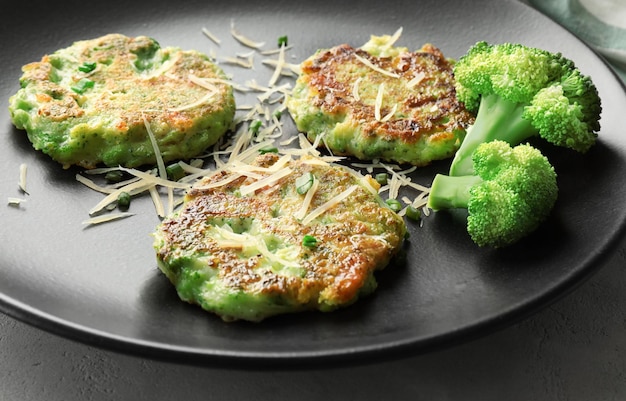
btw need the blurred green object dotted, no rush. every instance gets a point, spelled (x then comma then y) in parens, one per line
(600, 23)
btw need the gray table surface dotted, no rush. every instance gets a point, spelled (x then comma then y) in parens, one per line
(574, 349)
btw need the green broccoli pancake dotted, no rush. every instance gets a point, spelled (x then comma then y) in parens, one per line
(380, 102)
(278, 236)
(99, 101)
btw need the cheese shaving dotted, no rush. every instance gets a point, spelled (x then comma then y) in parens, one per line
(107, 218)
(170, 200)
(355, 89)
(248, 63)
(136, 187)
(393, 39)
(390, 114)
(243, 39)
(328, 205)
(155, 148)
(416, 80)
(208, 83)
(92, 185)
(209, 35)
(218, 184)
(287, 69)
(22, 182)
(280, 64)
(230, 245)
(379, 101)
(251, 188)
(274, 51)
(164, 69)
(15, 201)
(375, 67)
(308, 198)
(230, 240)
(203, 100)
(154, 180)
(156, 200)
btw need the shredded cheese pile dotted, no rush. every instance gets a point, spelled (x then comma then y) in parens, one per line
(257, 127)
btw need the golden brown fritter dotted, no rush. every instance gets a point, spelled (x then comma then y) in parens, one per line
(95, 102)
(249, 251)
(381, 102)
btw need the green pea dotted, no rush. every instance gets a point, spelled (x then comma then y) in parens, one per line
(123, 201)
(114, 176)
(413, 213)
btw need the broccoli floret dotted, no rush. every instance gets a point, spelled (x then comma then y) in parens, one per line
(510, 194)
(518, 92)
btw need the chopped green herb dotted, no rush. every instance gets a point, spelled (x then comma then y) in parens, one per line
(87, 67)
(309, 241)
(282, 41)
(175, 171)
(304, 183)
(394, 204)
(82, 85)
(268, 150)
(413, 213)
(123, 201)
(255, 126)
(382, 178)
(278, 114)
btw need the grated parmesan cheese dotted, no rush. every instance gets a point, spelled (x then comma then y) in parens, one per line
(267, 181)
(243, 39)
(107, 218)
(22, 182)
(393, 39)
(209, 35)
(416, 80)
(328, 205)
(280, 65)
(355, 89)
(308, 198)
(132, 189)
(375, 67)
(389, 115)
(379, 101)
(12, 201)
(235, 154)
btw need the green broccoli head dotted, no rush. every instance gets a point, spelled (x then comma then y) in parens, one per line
(519, 92)
(568, 113)
(512, 71)
(511, 193)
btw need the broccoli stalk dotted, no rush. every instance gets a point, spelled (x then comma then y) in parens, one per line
(519, 92)
(510, 194)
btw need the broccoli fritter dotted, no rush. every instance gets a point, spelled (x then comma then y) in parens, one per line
(380, 102)
(308, 239)
(98, 101)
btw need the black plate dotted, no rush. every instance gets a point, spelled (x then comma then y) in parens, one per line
(100, 285)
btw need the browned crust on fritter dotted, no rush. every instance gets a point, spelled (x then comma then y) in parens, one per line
(335, 271)
(333, 92)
